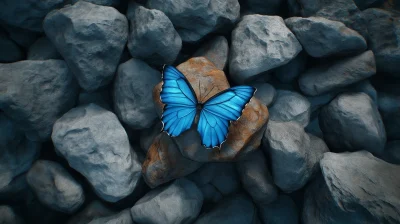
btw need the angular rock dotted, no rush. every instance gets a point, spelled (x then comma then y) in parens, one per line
(8, 216)
(152, 37)
(266, 93)
(10, 51)
(216, 50)
(351, 122)
(339, 74)
(256, 178)
(43, 49)
(265, 7)
(132, 100)
(389, 107)
(321, 37)
(90, 42)
(283, 210)
(288, 73)
(90, 135)
(195, 19)
(102, 2)
(123, 217)
(91, 212)
(290, 106)
(178, 202)
(55, 187)
(36, 94)
(259, 44)
(100, 98)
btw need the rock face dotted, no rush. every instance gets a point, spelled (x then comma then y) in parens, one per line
(43, 49)
(132, 102)
(216, 50)
(90, 135)
(339, 74)
(283, 210)
(351, 122)
(147, 26)
(195, 19)
(266, 93)
(36, 94)
(321, 37)
(178, 202)
(260, 43)
(55, 187)
(92, 58)
(8, 216)
(10, 50)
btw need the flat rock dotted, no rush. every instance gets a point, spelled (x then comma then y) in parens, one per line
(259, 44)
(93, 59)
(10, 52)
(89, 135)
(123, 217)
(178, 202)
(91, 212)
(341, 73)
(215, 50)
(289, 72)
(152, 36)
(133, 103)
(321, 37)
(43, 49)
(195, 19)
(55, 187)
(351, 122)
(283, 210)
(8, 216)
(266, 93)
(36, 94)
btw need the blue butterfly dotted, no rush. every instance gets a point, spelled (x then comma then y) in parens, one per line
(181, 107)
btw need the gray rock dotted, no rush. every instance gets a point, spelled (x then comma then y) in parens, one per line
(10, 51)
(133, 101)
(55, 187)
(293, 153)
(195, 19)
(27, 14)
(321, 37)
(281, 211)
(178, 202)
(102, 2)
(90, 135)
(389, 107)
(266, 93)
(256, 178)
(43, 49)
(265, 7)
(92, 211)
(92, 58)
(339, 74)
(290, 106)
(351, 122)
(236, 209)
(123, 217)
(289, 72)
(152, 37)
(100, 98)
(36, 94)
(215, 50)
(260, 43)
(8, 216)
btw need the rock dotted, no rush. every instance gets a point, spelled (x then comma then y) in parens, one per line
(152, 37)
(100, 98)
(91, 212)
(256, 178)
(215, 50)
(283, 210)
(266, 93)
(36, 94)
(236, 209)
(195, 19)
(362, 4)
(293, 153)
(92, 58)
(259, 44)
(43, 49)
(132, 101)
(321, 37)
(289, 72)
(364, 86)
(89, 135)
(27, 14)
(321, 100)
(290, 106)
(389, 107)
(178, 202)
(10, 52)
(244, 135)
(391, 154)
(351, 122)
(102, 2)
(164, 162)
(8, 216)
(123, 217)
(269, 7)
(55, 187)
(341, 73)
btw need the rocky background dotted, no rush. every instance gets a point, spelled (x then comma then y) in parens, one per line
(80, 137)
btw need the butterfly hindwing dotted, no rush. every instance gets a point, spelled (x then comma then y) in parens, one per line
(180, 102)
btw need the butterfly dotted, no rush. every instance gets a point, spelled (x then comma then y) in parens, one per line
(181, 106)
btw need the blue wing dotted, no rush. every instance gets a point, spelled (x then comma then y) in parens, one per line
(180, 102)
(219, 110)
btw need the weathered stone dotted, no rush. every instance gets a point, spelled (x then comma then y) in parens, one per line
(216, 50)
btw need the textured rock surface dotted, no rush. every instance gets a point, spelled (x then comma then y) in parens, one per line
(283, 210)
(123, 217)
(8, 216)
(55, 187)
(132, 102)
(36, 94)
(266, 93)
(43, 49)
(178, 202)
(351, 122)
(90, 135)
(92, 211)
(216, 50)
(92, 58)
(260, 43)
(146, 28)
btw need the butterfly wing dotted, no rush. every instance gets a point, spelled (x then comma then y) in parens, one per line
(180, 102)
(219, 110)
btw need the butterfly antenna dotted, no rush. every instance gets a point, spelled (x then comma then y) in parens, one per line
(209, 92)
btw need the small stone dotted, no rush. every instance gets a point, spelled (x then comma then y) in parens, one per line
(123, 217)
(43, 49)
(91, 212)
(10, 51)
(289, 72)
(266, 93)
(8, 216)
(283, 210)
(216, 50)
